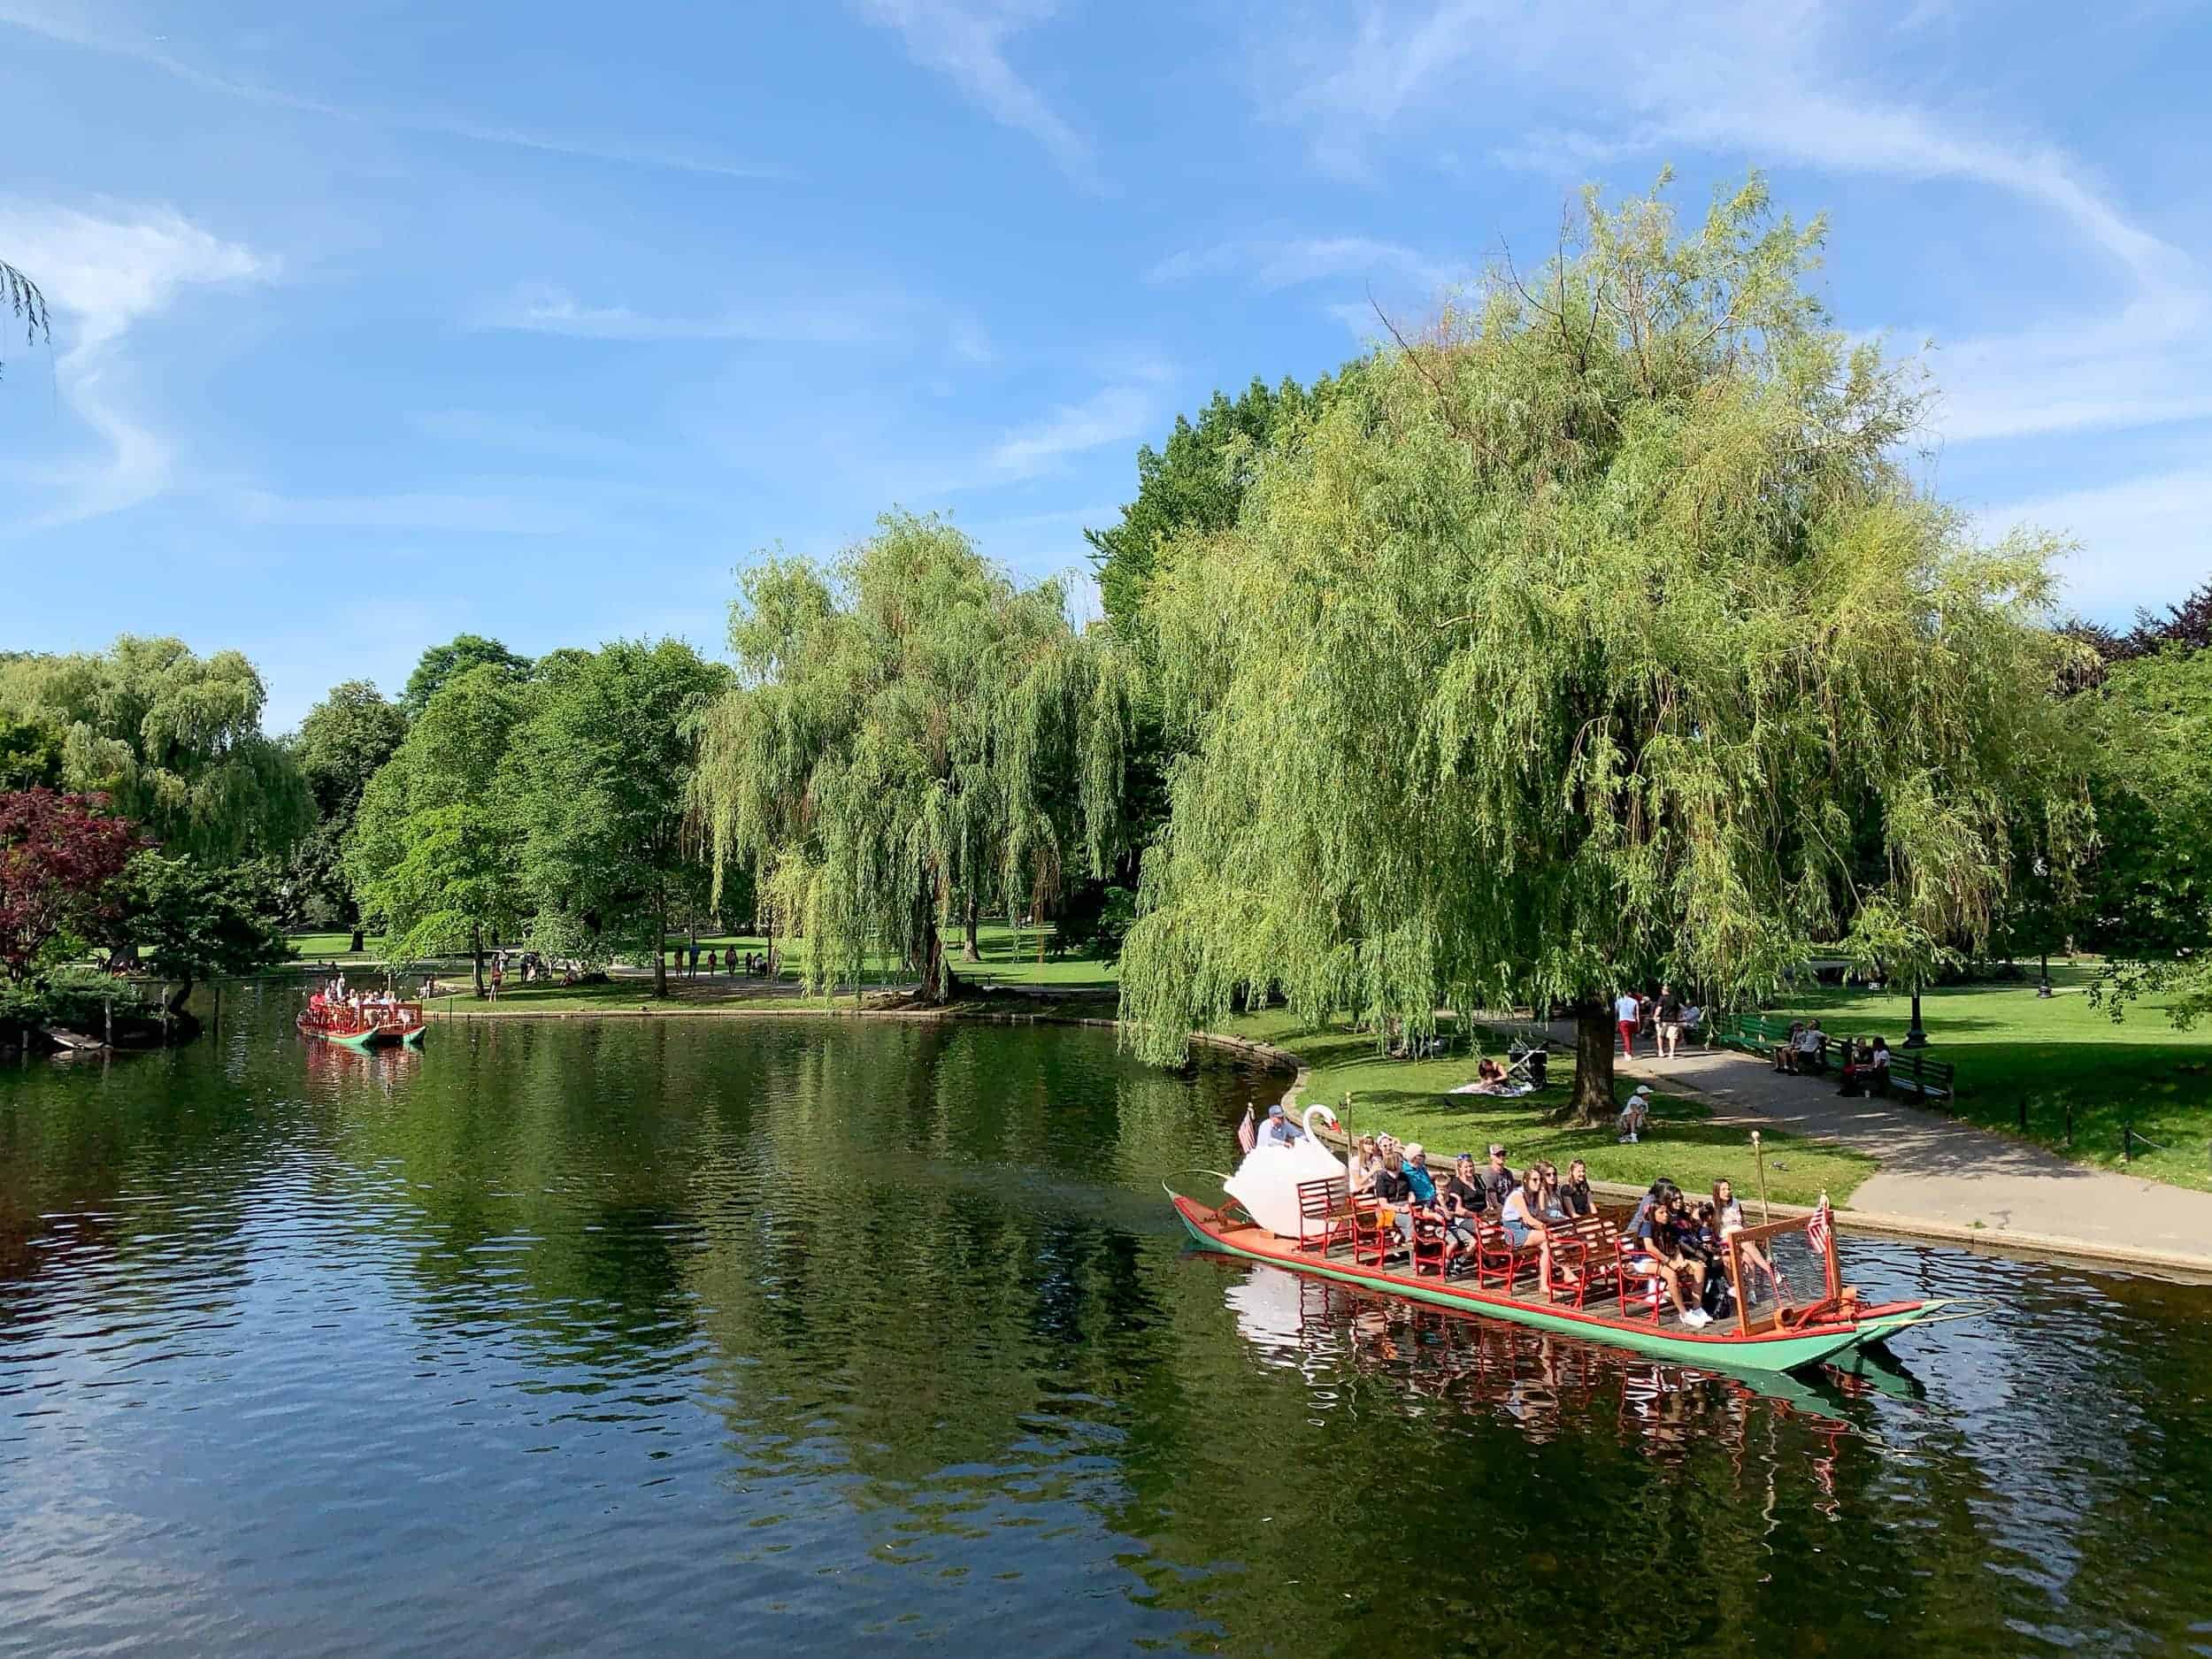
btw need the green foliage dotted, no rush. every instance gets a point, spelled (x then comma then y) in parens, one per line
(601, 773)
(71, 995)
(910, 730)
(441, 665)
(20, 296)
(434, 858)
(339, 747)
(1196, 483)
(1569, 646)
(30, 753)
(172, 739)
(187, 921)
(2150, 731)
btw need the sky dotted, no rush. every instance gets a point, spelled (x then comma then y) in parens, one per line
(376, 323)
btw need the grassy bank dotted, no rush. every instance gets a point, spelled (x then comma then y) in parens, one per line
(1412, 1099)
(2025, 1058)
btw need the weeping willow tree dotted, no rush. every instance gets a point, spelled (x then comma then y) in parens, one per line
(1580, 643)
(911, 731)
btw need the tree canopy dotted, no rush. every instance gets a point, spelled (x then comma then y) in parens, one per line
(1564, 648)
(601, 773)
(434, 856)
(911, 731)
(172, 739)
(187, 921)
(340, 745)
(59, 859)
(442, 664)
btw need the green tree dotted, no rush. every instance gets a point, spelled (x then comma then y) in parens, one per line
(602, 773)
(1560, 652)
(30, 754)
(172, 739)
(910, 731)
(442, 664)
(188, 922)
(435, 859)
(1195, 482)
(339, 747)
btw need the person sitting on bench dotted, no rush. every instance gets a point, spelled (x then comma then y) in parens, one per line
(1464, 1201)
(1394, 1192)
(1878, 1069)
(1662, 1257)
(1574, 1192)
(1785, 1053)
(1523, 1219)
(1812, 1048)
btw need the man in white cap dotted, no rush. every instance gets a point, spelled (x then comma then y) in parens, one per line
(1636, 1114)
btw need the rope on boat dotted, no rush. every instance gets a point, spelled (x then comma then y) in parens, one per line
(1961, 1308)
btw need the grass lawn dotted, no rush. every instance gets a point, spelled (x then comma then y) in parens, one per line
(2015, 1051)
(1412, 1100)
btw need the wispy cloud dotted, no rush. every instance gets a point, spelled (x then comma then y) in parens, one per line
(1404, 68)
(69, 29)
(966, 44)
(2142, 540)
(1270, 265)
(1114, 414)
(540, 309)
(104, 275)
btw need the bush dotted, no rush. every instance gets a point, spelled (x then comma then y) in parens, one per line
(69, 996)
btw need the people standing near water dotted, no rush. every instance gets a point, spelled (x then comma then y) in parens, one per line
(498, 977)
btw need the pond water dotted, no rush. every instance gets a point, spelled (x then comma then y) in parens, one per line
(794, 1335)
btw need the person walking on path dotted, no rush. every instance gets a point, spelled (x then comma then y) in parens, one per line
(1628, 1014)
(1670, 1022)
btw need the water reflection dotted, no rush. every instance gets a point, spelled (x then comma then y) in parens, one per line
(828, 1335)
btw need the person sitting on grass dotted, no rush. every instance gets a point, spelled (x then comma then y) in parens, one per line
(1662, 1259)
(1636, 1115)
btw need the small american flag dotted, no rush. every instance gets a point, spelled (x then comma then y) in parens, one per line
(1816, 1230)
(1248, 1132)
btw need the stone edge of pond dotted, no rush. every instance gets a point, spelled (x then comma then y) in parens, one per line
(1994, 1240)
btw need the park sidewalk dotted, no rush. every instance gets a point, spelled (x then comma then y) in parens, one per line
(1940, 1178)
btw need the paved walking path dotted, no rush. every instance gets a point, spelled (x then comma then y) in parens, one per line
(1949, 1179)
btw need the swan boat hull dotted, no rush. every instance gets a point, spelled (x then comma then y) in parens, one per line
(1770, 1351)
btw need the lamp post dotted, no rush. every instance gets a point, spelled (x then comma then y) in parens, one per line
(1918, 1036)
(2043, 987)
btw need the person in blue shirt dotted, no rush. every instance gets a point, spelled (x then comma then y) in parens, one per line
(1418, 1176)
(1279, 1131)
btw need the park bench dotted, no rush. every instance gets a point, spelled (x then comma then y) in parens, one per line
(1754, 1033)
(1326, 1214)
(1912, 1074)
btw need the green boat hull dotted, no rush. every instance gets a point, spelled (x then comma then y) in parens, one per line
(1757, 1354)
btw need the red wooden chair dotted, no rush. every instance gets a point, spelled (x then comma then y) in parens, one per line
(1373, 1235)
(1429, 1246)
(1323, 1217)
(1643, 1290)
(1496, 1255)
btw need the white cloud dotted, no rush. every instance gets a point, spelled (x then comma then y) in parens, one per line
(70, 29)
(1773, 83)
(2143, 540)
(966, 43)
(1291, 262)
(540, 309)
(1115, 414)
(103, 276)
(423, 511)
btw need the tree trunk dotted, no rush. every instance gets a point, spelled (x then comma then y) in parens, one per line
(355, 945)
(1592, 1102)
(971, 950)
(476, 955)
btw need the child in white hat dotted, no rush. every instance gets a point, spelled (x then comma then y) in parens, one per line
(1636, 1114)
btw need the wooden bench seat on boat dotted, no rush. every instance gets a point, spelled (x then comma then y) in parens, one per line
(1325, 1215)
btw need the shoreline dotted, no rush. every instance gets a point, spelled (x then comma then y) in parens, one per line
(2056, 1249)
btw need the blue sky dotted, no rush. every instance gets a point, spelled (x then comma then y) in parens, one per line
(374, 323)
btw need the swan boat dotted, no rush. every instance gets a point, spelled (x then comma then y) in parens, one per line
(371, 1025)
(1777, 1328)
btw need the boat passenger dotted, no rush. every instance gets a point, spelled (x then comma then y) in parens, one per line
(1366, 1160)
(1574, 1192)
(1728, 1214)
(1663, 1258)
(1522, 1215)
(1498, 1180)
(1464, 1201)
(1279, 1131)
(1394, 1192)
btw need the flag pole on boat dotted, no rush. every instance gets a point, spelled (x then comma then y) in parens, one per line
(1760, 1153)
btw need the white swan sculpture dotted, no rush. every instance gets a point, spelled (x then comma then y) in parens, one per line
(1266, 1183)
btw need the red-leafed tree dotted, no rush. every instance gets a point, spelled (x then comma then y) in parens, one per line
(60, 854)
